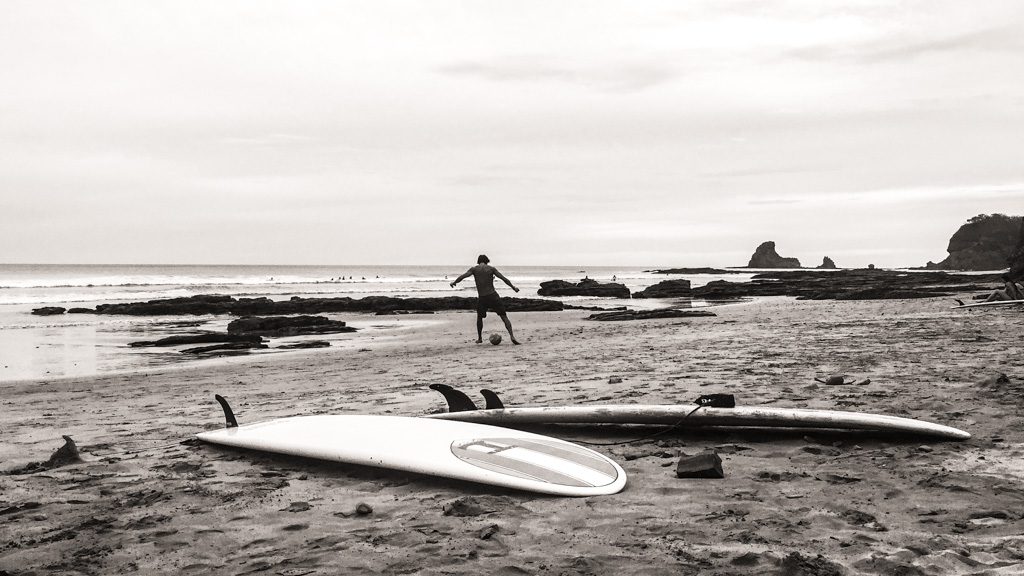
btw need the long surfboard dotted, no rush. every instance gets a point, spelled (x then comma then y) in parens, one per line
(460, 450)
(696, 415)
(993, 303)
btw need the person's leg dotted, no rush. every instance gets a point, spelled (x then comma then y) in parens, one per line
(479, 329)
(508, 326)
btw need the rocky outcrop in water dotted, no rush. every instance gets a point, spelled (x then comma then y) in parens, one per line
(766, 257)
(659, 313)
(985, 242)
(585, 287)
(287, 325)
(827, 264)
(666, 289)
(203, 338)
(48, 311)
(217, 304)
(862, 284)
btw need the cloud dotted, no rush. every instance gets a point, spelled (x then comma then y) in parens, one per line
(899, 48)
(620, 77)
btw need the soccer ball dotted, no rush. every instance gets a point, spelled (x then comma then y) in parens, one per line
(495, 339)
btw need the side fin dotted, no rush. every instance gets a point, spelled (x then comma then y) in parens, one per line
(228, 414)
(457, 401)
(493, 402)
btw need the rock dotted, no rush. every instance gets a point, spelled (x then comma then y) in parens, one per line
(489, 531)
(230, 347)
(287, 325)
(66, 454)
(827, 264)
(695, 271)
(705, 465)
(48, 311)
(216, 304)
(306, 344)
(585, 287)
(666, 289)
(204, 338)
(871, 266)
(81, 311)
(363, 509)
(766, 257)
(658, 313)
(985, 242)
(615, 379)
(849, 285)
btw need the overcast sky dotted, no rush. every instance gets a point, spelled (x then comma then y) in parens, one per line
(552, 132)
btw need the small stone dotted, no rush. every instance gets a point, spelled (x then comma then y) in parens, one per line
(297, 507)
(706, 465)
(489, 531)
(615, 380)
(364, 509)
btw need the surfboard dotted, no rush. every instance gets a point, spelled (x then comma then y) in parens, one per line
(696, 415)
(995, 303)
(459, 450)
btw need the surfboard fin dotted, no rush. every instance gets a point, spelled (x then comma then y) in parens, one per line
(229, 416)
(457, 401)
(493, 402)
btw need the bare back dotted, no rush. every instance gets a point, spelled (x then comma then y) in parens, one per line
(483, 274)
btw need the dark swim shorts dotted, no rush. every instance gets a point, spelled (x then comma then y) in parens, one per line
(489, 302)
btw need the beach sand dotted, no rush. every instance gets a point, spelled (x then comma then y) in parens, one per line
(147, 499)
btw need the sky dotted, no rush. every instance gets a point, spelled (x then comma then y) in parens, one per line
(542, 133)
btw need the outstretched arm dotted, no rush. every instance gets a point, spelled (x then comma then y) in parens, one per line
(505, 280)
(463, 277)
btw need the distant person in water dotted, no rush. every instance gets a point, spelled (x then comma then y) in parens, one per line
(483, 273)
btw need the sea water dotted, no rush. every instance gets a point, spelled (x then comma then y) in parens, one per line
(39, 347)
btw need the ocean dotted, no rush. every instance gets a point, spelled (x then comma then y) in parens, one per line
(41, 347)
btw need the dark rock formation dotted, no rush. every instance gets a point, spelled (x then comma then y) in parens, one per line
(827, 264)
(204, 338)
(1017, 260)
(81, 311)
(648, 314)
(766, 257)
(585, 287)
(48, 311)
(666, 289)
(985, 242)
(306, 344)
(287, 325)
(849, 285)
(215, 304)
(227, 348)
(695, 271)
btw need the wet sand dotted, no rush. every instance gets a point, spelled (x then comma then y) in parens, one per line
(149, 500)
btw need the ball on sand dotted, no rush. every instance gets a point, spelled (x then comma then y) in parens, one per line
(495, 339)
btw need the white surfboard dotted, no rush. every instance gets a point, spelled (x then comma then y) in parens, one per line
(676, 415)
(462, 409)
(460, 450)
(993, 303)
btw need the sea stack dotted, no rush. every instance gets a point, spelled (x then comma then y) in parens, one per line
(827, 264)
(985, 242)
(766, 257)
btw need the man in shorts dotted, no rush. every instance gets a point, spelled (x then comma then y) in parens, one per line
(484, 275)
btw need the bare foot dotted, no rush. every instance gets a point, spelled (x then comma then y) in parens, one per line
(480, 341)
(516, 342)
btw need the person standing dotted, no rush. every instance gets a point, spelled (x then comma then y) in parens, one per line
(483, 273)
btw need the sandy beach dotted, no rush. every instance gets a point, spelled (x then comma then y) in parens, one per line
(149, 499)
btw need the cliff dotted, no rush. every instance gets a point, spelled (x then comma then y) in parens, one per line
(985, 242)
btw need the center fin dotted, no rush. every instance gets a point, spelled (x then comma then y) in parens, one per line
(457, 401)
(229, 416)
